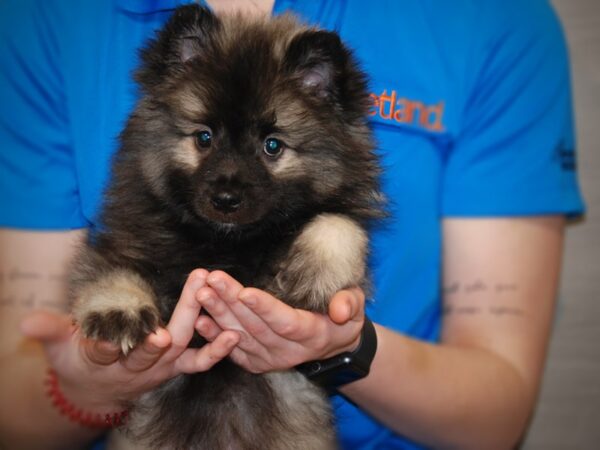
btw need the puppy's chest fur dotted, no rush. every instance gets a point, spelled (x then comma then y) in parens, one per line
(165, 256)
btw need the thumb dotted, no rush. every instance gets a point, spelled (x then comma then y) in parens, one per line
(347, 305)
(47, 326)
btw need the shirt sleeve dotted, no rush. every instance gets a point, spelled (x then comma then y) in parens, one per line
(38, 182)
(515, 153)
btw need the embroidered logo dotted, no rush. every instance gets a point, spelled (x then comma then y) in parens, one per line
(566, 157)
(393, 107)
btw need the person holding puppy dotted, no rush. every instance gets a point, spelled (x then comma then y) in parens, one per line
(474, 127)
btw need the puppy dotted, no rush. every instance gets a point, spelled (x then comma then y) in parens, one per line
(248, 152)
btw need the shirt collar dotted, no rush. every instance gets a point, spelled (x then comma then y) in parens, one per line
(152, 6)
(149, 6)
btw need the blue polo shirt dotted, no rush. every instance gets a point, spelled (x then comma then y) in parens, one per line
(471, 109)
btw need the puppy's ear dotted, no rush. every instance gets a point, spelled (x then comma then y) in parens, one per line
(318, 58)
(194, 27)
(185, 36)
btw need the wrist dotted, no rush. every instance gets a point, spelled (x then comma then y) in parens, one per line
(89, 412)
(89, 397)
(354, 344)
(345, 367)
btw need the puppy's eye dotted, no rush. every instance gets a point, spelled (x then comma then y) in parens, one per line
(273, 147)
(203, 139)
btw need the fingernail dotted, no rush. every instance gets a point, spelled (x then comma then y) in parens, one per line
(162, 339)
(350, 308)
(216, 281)
(233, 340)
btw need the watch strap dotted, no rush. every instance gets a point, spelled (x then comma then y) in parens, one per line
(346, 367)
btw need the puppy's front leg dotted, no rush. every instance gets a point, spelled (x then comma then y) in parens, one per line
(119, 306)
(328, 255)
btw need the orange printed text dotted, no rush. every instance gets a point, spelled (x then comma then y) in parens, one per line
(402, 110)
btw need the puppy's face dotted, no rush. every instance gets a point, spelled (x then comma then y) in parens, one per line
(247, 122)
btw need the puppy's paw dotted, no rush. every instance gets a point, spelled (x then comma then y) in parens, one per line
(328, 255)
(123, 328)
(119, 307)
(296, 286)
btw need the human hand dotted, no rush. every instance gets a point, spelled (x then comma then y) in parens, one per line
(274, 335)
(95, 376)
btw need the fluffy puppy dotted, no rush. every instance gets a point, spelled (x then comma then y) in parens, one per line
(248, 152)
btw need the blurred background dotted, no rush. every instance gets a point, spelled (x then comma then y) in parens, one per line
(568, 415)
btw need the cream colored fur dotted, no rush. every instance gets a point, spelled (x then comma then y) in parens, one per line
(327, 256)
(305, 408)
(118, 290)
(186, 155)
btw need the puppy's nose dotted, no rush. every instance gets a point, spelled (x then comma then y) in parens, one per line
(226, 201)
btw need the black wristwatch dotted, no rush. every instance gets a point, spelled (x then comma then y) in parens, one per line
(346, 367)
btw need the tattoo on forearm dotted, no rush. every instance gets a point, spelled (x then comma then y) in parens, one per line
(58, 278)
(472, 310)
(17, 274)
(490, 292)
(30, 286)
(31, 301)
(479, 286)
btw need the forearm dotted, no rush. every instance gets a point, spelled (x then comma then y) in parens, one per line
(444, 396)
(32, 277)
(28, 420)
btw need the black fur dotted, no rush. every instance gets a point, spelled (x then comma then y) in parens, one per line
(241, 80)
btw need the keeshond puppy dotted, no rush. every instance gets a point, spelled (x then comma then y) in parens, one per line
(249, 152)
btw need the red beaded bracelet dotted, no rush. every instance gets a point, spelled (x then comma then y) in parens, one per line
(74, 414)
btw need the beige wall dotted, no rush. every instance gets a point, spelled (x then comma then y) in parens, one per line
(568, 416)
